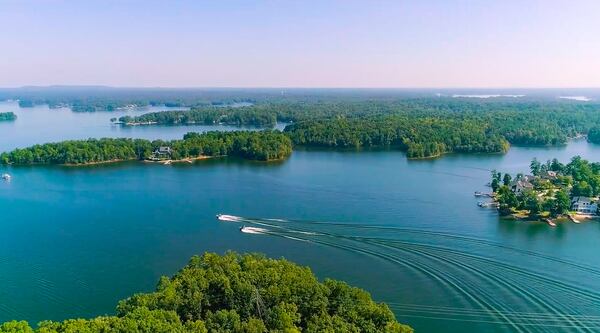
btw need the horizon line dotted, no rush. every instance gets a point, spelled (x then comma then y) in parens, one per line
(287, 87)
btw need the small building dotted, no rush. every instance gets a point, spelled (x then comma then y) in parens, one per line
(520, 186)
(161, 153)
(584, 206)
(548, 175)
(527, 178)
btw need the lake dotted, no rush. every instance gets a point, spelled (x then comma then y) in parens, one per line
(73, 241)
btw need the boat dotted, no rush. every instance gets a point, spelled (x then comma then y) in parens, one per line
(252, 230)
(492, 204)
(478, 194)
(227, 218)
(6, 176)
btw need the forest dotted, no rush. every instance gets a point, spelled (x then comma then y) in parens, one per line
(423, 127)
(7, 116)
(237, 293)
(245, 116)
(419, 137)
(252, 145)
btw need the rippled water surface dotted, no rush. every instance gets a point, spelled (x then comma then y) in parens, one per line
(73, 241)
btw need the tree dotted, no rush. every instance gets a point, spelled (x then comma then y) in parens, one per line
(562, 203)
(507, 179)
(15, 327)
(495, 184)
(535, 167)
(582, 189)
(531, 202)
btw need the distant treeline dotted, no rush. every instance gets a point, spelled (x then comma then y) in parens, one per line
(90, 98)
(263, 146)
(5, 116)
(527, 123)
(246, 116)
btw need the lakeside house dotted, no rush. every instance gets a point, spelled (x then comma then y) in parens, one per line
(550, 175)
(521, 185)
(161, 153)
(584, 206)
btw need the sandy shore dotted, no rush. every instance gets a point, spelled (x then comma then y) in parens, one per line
(188, 160)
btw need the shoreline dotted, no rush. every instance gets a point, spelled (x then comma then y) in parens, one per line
(187, 159)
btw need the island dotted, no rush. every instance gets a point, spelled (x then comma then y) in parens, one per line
(237, 293)
(251, 145)
(553, 192)
(7, 116)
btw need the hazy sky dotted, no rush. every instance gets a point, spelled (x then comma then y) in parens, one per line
(306, 43)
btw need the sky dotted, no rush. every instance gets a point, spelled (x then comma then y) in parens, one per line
(347, 43)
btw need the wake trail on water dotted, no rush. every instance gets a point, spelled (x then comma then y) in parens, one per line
(469, 239)
(477, 269)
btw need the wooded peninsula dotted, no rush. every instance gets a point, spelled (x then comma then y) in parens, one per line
(239, 294)
(552, 190)
(252, 145)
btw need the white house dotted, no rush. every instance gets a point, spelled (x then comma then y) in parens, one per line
(584, 206)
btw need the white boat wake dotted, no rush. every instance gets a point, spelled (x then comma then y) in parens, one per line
(228, 218)
(253, 230)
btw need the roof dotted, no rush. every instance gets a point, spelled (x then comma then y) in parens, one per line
(581, 199)
(522, 183)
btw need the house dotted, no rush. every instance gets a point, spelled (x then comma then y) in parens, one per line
(584, 206)
(548, 175)
(527, 178)
(162, 152)
(521, 185)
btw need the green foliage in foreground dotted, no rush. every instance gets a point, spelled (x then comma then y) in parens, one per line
(263, 146)
(7, 116)
(238, 293)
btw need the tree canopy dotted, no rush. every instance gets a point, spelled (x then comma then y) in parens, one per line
(7, 116)
(253, 145)
(238, 293)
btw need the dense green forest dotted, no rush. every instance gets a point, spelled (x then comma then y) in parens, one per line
(254, 145)
(7, 116)
(419, 137)
(423, 127)
(238, 293)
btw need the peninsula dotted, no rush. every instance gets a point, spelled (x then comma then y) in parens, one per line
(552, 191)
(252, 145)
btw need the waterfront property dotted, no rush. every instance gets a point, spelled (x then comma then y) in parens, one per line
(554, 190)
(584, 205)
(521, 185)
(161, 153)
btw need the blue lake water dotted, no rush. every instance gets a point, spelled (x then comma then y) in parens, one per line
(73, 241)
